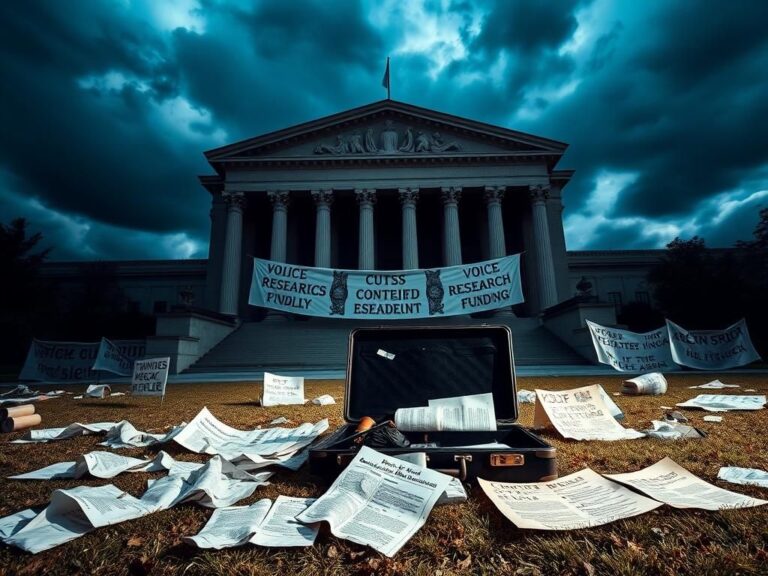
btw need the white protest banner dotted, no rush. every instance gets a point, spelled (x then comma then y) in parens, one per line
(382, 295)
(59, 361)
(280, 390)
(111, 359)
(150, 376)
(712, 349)
(632, 352)
(581, 414)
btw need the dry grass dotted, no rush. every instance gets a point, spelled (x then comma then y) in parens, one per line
(468, 538)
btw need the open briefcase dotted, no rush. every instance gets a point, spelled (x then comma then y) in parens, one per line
(401, 367)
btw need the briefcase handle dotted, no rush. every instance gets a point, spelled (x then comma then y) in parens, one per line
(461, 473)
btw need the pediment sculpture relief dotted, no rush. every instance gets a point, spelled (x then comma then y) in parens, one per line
(389, 141)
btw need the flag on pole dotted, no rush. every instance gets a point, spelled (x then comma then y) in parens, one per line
(385, 80)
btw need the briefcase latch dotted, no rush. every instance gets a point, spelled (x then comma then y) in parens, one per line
(504, 460)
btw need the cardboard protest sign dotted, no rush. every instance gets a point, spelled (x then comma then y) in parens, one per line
(150, 377)
(581, 414)
(280, 390)
(111, 359)
(632, 352)
(382, 295)
(712, 349)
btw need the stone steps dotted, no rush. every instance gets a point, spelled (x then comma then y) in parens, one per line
(321, 344)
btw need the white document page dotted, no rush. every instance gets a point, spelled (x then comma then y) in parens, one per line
(652, 383)
(378, 501)
(53, 434)
(746, 476)
(668, 482)
(455, 491)
(715, 385)
(11, 524)
(232, 526)
(460, 413)
(282, 390)
(579, 500)
(280, 528)
(724, 402)
(580, 414)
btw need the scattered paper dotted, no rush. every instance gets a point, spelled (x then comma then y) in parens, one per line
(668, 482)
(80, 397)
(746, 476)
(281, 529)
(231, 526)
(579, 500)
(712, 418)
(385, 354)
(205, 434)
(715, 385)
(671, 430)
(98, 391)
(666, 407)
(71, 431)
(125, 435)
(526, 396)
(9, 525)
(77, 511)
(378, 501)
(724, 402)
(282, 390)
(116, 394)
(460, 413)
(580, 414)
(324, 400)
(652, 383)
(613, 408)
(280, 420)
(750, 390)
(454, 493)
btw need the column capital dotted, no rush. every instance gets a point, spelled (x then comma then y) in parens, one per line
(451, 194)
(322, 197)
(366, 197)
(539, 193)
(279, 198)
(408, 196)
(494, 194)
(234, 200)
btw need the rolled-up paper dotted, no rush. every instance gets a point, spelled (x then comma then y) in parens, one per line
(16, 411)
(20, 423)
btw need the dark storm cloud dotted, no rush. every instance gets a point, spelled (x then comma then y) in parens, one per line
(109, 106)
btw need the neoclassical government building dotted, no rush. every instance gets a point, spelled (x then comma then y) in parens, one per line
(386, 186)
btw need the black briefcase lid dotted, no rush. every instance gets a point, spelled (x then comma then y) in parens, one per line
(402, 367)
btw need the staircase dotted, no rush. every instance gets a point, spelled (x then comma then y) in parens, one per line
(321, 344)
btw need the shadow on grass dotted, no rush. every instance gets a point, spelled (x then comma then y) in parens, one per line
(246, 403)
(111, 405)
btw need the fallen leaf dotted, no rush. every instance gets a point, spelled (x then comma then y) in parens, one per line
(135, 541)
(466, 563)
(333, 552)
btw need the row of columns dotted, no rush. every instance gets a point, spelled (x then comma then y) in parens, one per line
(366, 198)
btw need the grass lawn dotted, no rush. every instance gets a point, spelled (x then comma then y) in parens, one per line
(469, 538)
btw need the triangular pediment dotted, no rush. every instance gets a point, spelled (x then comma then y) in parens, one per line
(386, 129)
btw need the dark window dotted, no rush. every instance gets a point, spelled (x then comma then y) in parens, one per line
(160, 306)
(643, 297)
(615, 299)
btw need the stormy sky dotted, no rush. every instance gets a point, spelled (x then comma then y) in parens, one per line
(108, 106)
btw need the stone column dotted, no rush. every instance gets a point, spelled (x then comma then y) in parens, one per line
(233, 246)
(497, 247)
(279, 246)
(451, 231)
(408, 199)
(545, 266)
(366, 255)
(323, 200)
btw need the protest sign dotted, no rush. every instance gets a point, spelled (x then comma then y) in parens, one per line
(632, 352)
(712, 349)
(59, 361)
(581, 414)
(150, 376)
(579, 500)
(111, 359)
(382, 295)
(279, 390)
